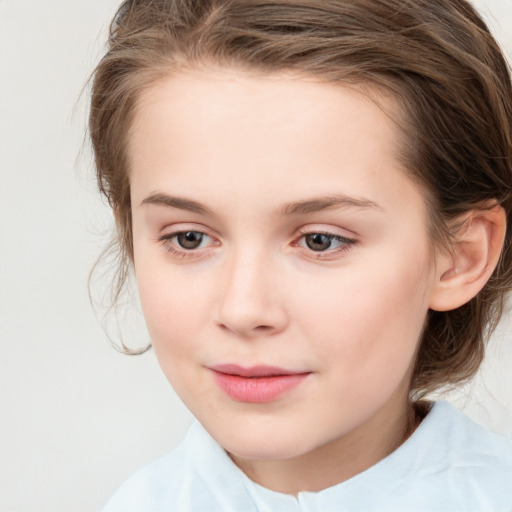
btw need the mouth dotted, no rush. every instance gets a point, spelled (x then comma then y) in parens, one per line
(256, 384)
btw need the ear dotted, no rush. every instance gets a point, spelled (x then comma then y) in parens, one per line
(464, 270)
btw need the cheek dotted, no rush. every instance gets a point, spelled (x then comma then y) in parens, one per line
(173, 319)
(173, 309)
(368, 322)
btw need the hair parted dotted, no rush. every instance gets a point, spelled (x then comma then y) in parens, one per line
(438, 60)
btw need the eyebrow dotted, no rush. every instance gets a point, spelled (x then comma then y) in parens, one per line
(178, 202)
(326, 203)
(302, 207)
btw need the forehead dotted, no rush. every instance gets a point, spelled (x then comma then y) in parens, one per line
(203, 97)
(231, 134)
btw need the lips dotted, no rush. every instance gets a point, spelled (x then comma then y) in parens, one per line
(257, 384)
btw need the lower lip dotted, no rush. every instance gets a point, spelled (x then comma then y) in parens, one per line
(257, 389)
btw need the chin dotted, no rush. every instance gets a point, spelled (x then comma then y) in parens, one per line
(261, 443)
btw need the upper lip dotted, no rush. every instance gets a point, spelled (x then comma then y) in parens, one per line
(254, 371)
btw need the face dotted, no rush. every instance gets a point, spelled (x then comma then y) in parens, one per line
(281, 255)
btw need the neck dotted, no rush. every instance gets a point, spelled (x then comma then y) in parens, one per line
(340, 459)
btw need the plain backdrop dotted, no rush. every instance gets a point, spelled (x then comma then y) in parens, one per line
(76, 417)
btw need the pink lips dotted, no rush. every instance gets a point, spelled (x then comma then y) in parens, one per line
(257, 384)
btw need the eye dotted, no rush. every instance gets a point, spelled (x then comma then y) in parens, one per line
(184, 243)
(318, 241)
(189, 239)
(328, 243)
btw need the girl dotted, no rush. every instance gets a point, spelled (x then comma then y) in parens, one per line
(315, 198)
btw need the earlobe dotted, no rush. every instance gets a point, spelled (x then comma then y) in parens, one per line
(464, 270)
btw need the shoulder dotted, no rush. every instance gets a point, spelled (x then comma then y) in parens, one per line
(468, 443)
(149, 487)
(184, 479)
(449, 464)
(463, 465)
(198, 475)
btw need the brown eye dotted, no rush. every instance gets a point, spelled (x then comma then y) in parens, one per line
(189, 239)
(318, 241)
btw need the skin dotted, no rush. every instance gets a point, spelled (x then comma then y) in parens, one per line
(254, 293)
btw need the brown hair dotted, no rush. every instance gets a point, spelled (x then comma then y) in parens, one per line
(436, 57)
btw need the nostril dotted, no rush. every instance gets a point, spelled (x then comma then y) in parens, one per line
(243, 332)
(263, 328)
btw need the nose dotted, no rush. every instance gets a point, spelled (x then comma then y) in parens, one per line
(251, 302)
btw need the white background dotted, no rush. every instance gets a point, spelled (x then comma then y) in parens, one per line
(76, 417)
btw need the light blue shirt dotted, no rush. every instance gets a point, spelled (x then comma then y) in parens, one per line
(449, 464)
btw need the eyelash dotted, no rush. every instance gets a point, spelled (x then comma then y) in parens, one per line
(182, 254)
(347, 243)
(165, 241)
